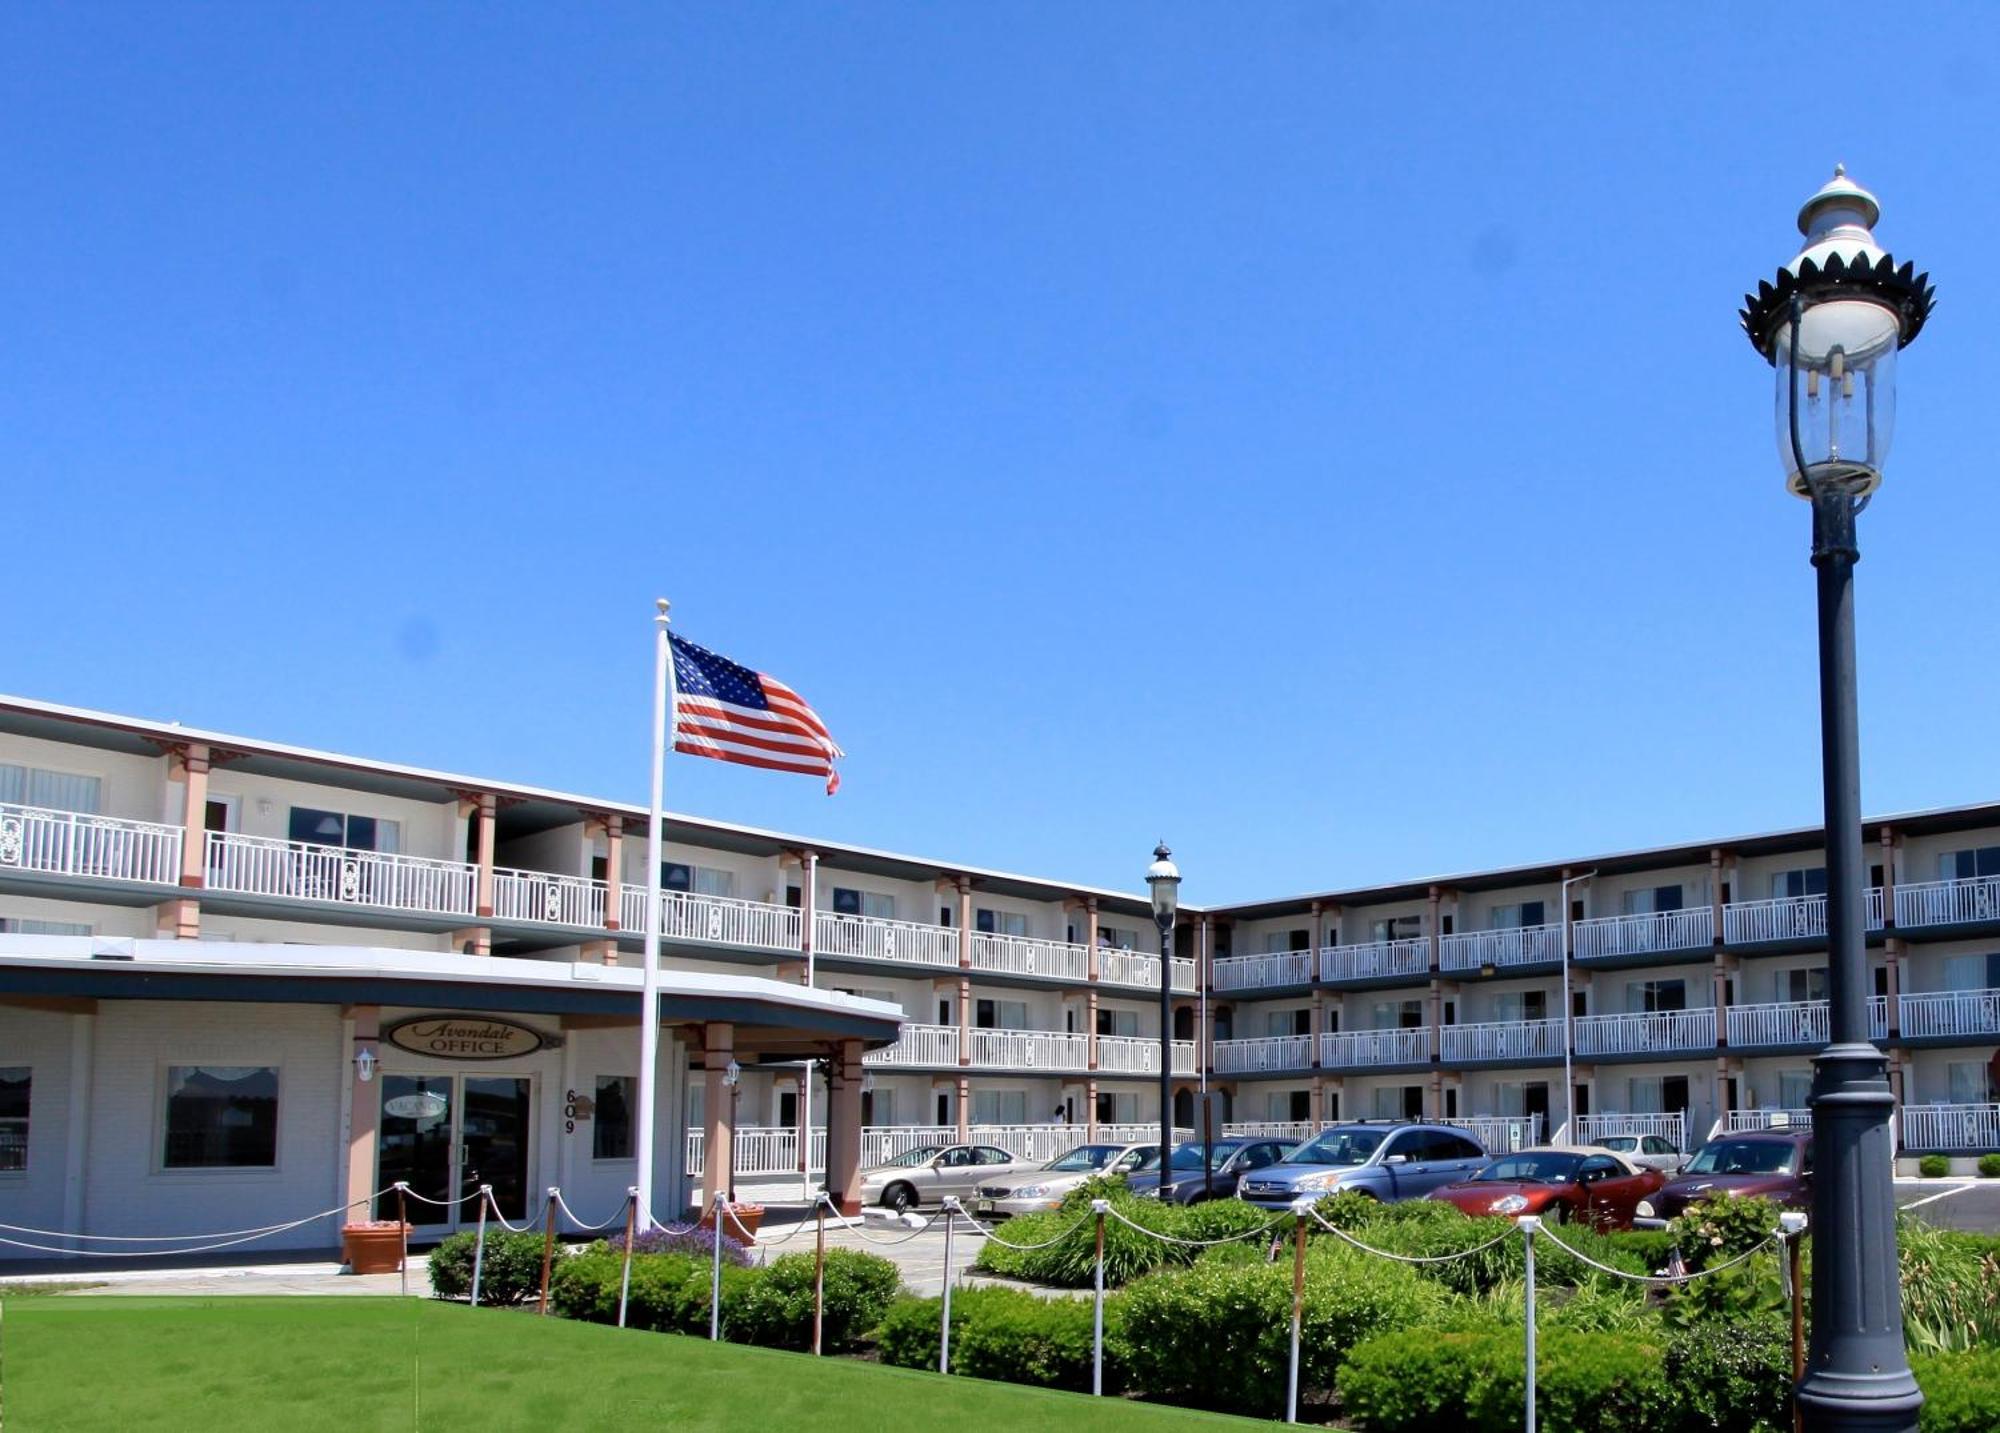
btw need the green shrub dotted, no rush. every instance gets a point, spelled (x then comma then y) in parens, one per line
(1961, 1390)
(510, 1272)
(1720, 1228)
(1071, 1262)
(1934, 1166)
(776, 1308)
(1420, 1379)
(585, 1286)
(907, 1337)
(1989, 1166)
(1018, 1337)
(1735, 1376)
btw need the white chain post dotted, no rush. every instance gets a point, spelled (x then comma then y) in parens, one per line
(631, 1237)
(715, 1279)
(479, 1249)
(944, 1317)
(1099, 1207)
(1300, 1208)
(1529, 1225)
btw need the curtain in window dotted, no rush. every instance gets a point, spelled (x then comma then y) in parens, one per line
(709, 881)
(878, 907)
(62, 791)
(13, 783)
(1794, 1089)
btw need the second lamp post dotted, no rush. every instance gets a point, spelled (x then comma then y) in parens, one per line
(1163, 877)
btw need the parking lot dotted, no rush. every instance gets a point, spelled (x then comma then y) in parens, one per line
(1972, 1205)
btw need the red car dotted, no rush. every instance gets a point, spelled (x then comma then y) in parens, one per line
(1777, 1164)
(1583, 1185)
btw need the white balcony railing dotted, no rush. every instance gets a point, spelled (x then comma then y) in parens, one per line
(256, 865)
(1526, 945)
(1949, 902)
(1795, 1022)
(1788, 918)
(1948, 1013)
(1270, 1052)
(919, 1045)
(762, 1150)
(1974, 1128)
(1501, 1132)
(882, 1143)
(1504, 1040)
(1018, 955)
(713, 920)
(1139, 1132)
(1139, 1055)
(1030, 1050)
(544, 897)
(1345, 1049)
(1376, 959)
(1738, 1121)
(1264, 972)
(1645, 1033)
(866, 938)
(1271, 1129)
(1181, 977)
(1670, 1127)
(1691, 929)
(68, 843)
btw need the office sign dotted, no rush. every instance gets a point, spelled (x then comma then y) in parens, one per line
(465, 1037)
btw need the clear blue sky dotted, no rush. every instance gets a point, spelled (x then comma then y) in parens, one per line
(1316, 433)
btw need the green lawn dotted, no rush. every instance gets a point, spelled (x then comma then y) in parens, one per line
(357, 1364)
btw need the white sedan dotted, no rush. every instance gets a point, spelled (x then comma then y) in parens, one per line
(926, 1174)
(1649, 1151)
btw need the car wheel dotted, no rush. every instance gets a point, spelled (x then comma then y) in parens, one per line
(898, 1198)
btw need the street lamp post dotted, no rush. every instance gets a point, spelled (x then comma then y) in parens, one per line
(1831, 324)
(1163, 878)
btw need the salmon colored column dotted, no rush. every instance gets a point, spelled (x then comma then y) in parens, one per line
(365, 1115)
(718, 1114)
(843, 1129)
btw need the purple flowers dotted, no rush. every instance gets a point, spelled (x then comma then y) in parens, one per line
(697, 1243)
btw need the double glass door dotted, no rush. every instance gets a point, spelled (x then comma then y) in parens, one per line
(445, 1135)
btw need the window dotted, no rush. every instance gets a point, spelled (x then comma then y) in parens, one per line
(1794, 1089)
(1966, 865)
(1514, 1005)
(1396, 928)
(222, 1117)
(611, 1131)
(1000, 1107)
(1804, 984)
(51, 790)
(1644, 1095)
(10, 925)
(1000, 1014)
(1399, 1014)
(1649, 899)
(1653, 995)
(1288, 1022)
(1517, 917)
(1971, 1084)
(16, 1083)
(850, 902)
(1000, 922)
(1117, 1022)
(354, 833)
(1791, 885)
(1115, 938)
(1279, 941)
(697, 880)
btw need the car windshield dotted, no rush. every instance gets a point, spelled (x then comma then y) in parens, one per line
(1746, 1156)
(922, 1154)
(1188, 1156)
(1337, 1146)
(1084, 1158)
(1533, 1168)
(1623, 1143)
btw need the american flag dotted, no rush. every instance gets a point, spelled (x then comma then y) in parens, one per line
(734, 714)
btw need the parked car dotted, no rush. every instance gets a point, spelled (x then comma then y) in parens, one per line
(927, 1173)
(1035, 1191)
(1234, 1158)
(1651, 1151)
(1583, 1185)
(1385, 1161)
(1776, 1164)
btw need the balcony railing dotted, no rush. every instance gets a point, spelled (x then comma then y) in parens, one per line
(1645, 1033)
(69, 843)
(1974, 899)
(1128, 967)
(762, 1150)
(1181, 977)
(1270, 1052)
(1738, 1121)
(1139, 1132)
(1346, 1049)
(867, 938)
(715, 920)
(1796, 1022)
(1030, 1050)
(1787, 918)
(1670, 1127)
(1504, 1040)
(1264, 972)
(1950, 1013)
(1691, 929)
(1526, 945)
(258, 866)
(1501, 1132)
(1139, 1055)
(919, 1045)
(1018, 955)
(1375, 959)
(1271, 1129)
(542, 896)
(1974, 1128)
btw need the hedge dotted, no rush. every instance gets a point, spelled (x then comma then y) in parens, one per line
(1419, 1380)
(1961, 1390)
(1128, 1253)
(1007, 1334)
(510, 1273)
(776, 1307)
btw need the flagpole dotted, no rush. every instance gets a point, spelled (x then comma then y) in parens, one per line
(649, 1010)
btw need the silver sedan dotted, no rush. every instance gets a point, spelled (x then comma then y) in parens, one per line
(1041, 1189)
(926, 1174)
(1648, 1151)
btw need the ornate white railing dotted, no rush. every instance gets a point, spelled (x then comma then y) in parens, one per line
(257, 865)
(1501, 1132)
(1263, 972)
(1976, 898)
(1181, 977)
(1670, 1127)
(1646, 1032)
(714, 920)
(1270, 1052)
(1138, 1055)
(1344, 1049)
(1134, 1132)
(1787, 918)
(1691, 929)
(1527, 945)
(1795, 1022)
(1030, 1050)
(1974, 1128)
(1950, 1012)
(1128, 967)
(68, 843)
(1739, 1121)
(919, 1045)
(1018, 955)
(1271, 1129)
(544, 896)
(1504, 1040)
(1376, 958)
(882, 1143)
(867, 938)
(762, 1150)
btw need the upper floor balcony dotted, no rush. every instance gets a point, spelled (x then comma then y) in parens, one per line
(1650, 1032)
(867, 938)
(545, 897)
(1274, 970)
(1407, 958)
(338, 875)
(1030, 1051)
(1796, 1022)
(1788, 918)
(1352, 1049)
(1503, 1040)
(1974, 900)
(1649, 933)
(1019, 955)
(104, 848)
(1141, 971)
(1263, 1054)
(1524, 945)
(1949, 1015)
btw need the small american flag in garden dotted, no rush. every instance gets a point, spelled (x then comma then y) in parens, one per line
(731, 713)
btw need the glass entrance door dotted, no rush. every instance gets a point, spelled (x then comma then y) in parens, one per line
(493, 1142)
(445, 1135)
(415, 1145)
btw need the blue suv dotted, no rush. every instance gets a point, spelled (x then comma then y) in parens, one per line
(1383, 1161)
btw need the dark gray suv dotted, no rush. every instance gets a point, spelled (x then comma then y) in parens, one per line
(1383, 1161)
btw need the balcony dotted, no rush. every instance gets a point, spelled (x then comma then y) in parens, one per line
(1670, 1127)
(1377, 959)
(1141, 971)
(1501, 1132)
(1351, 1049)
(384, 880)
(1650, 1033)
(1269, 1053)
(1973, 901)
(538, 896)
(1140, 1055)
(1799, 1022)
(1655, 932)
(1974, 1129)
(1030, 1050)
(1018, 955)
(1264, 972)
(1271, 1129)
(866, 938)
(713, 920)
(1742, 1121)
(918, 1045)
(1951, 1014)
(1504, 1040)
(67, 843)
(1527, 945)
(1788, 918)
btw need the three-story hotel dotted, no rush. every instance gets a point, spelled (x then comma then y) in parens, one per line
(241, 982)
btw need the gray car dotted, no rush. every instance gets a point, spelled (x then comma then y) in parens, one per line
(1383, 1161)
(1036, 1191)
(1233, 1158)
(926, 1174)
(1648, 1151)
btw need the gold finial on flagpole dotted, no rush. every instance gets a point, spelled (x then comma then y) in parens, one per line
(663, 605)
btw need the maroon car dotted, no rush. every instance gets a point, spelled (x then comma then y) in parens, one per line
(1586, 1185)
(1776, 1164)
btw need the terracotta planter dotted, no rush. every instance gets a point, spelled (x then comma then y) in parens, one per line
(742, 1223)
(374, 1246)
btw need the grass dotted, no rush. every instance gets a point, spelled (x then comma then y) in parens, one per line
(357, 1364)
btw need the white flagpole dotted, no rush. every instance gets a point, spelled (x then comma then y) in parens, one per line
(649, 1012)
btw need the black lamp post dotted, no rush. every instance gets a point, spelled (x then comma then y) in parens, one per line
(1831, 324)
(1163, 877)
